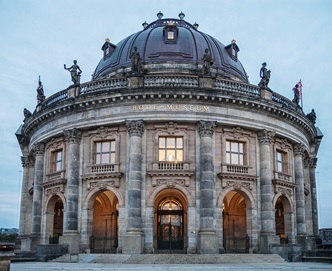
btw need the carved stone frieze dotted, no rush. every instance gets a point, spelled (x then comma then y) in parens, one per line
(54, 190)
(283, 187)
(27, 161)
(135, 127)
(103, 132)
(206, 128)
(170, 182)
(313, 162)
(55, 143)
(103, 184)
(73, 135)
(237, 185)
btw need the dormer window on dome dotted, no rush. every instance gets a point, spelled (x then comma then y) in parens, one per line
(108, 47)
(232, 49)
(171, 33)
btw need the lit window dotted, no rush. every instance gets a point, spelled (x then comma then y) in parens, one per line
(234, 152)
(281, 161)
(57, 161)
(171, 149)
(105, 152)
(170, 35)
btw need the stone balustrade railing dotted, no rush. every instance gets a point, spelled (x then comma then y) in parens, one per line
(236, 169)
(107, 85)
(104, 168)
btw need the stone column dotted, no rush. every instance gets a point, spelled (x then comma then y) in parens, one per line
(134, 239)
(39, 150)
(207, 237)
(299, 193)
(307, 193)
(70, 224)
(25, 208)
(312, 170)
(268, 235)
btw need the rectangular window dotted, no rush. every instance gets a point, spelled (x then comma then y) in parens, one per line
(170, 35)
(170, 149)
(234, 153)
(56, 161)
(281, 161)
(105, 152)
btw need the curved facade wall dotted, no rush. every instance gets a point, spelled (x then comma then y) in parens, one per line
(161, 162)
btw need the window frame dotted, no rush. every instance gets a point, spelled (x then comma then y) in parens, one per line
(238, 154)
(111, 152)
(283, 162)
(55, 162)
(176, 149)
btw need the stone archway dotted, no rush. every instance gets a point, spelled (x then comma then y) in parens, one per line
(235, 226)
(54, 219)
(105, 223)
(170, 222)
(283, 219)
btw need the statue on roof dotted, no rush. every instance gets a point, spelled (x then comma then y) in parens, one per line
(27, 114)
(296, 91)
(136, 61)
(208, 61)
(312, 116)
(265, 75)
(75, 72)
(40, 92)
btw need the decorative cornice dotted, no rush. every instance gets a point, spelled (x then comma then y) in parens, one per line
(135, 127)
(175, 174)
(233, 176)
(99, 176)
(54, 183)
(206, 128)
(265, 137)
(73, 135)
(283, 183)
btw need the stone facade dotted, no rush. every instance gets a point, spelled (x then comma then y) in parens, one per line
(168, 161)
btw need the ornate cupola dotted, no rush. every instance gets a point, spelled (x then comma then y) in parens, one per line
(232, 49)
(108, 47)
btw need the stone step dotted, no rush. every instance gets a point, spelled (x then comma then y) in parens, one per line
(172, 258)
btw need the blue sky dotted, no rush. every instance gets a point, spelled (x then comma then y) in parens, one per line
(38, 36)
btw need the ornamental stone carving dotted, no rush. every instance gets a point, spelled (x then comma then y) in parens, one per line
(135, 127)
(298, 149)
(206, 128)
(26, 161)
(265, 137)
(73, 135)
(38, 148)
(313, 162)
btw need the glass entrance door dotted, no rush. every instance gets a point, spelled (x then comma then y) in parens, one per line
(170, 225)
(170, 230)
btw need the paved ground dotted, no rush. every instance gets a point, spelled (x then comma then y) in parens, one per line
(37, 266)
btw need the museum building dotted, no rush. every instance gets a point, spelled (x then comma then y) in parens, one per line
(168, 149)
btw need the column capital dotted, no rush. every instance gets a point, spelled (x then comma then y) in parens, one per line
(26, 161)
(73, 135)
(206, 128)
(38, 149)
(298, 149)
(313, 162)
(135, 127)
(265, 137)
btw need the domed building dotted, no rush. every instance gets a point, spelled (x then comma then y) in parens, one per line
(168, 149)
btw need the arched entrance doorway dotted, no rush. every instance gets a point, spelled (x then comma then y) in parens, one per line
(170, 222)
(235, 237)
(283, 219)
(54, 221)
(104, 238)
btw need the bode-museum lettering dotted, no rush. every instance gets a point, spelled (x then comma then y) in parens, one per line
(171, 107)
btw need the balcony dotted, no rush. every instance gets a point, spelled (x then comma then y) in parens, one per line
(167, 165)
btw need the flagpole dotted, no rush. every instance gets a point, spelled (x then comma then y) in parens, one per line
(301, 95)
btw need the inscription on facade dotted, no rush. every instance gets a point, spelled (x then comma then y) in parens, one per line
(172, 107)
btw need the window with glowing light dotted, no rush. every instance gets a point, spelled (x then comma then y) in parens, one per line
(171, 149)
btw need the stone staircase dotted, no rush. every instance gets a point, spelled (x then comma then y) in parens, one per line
(172, 258)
